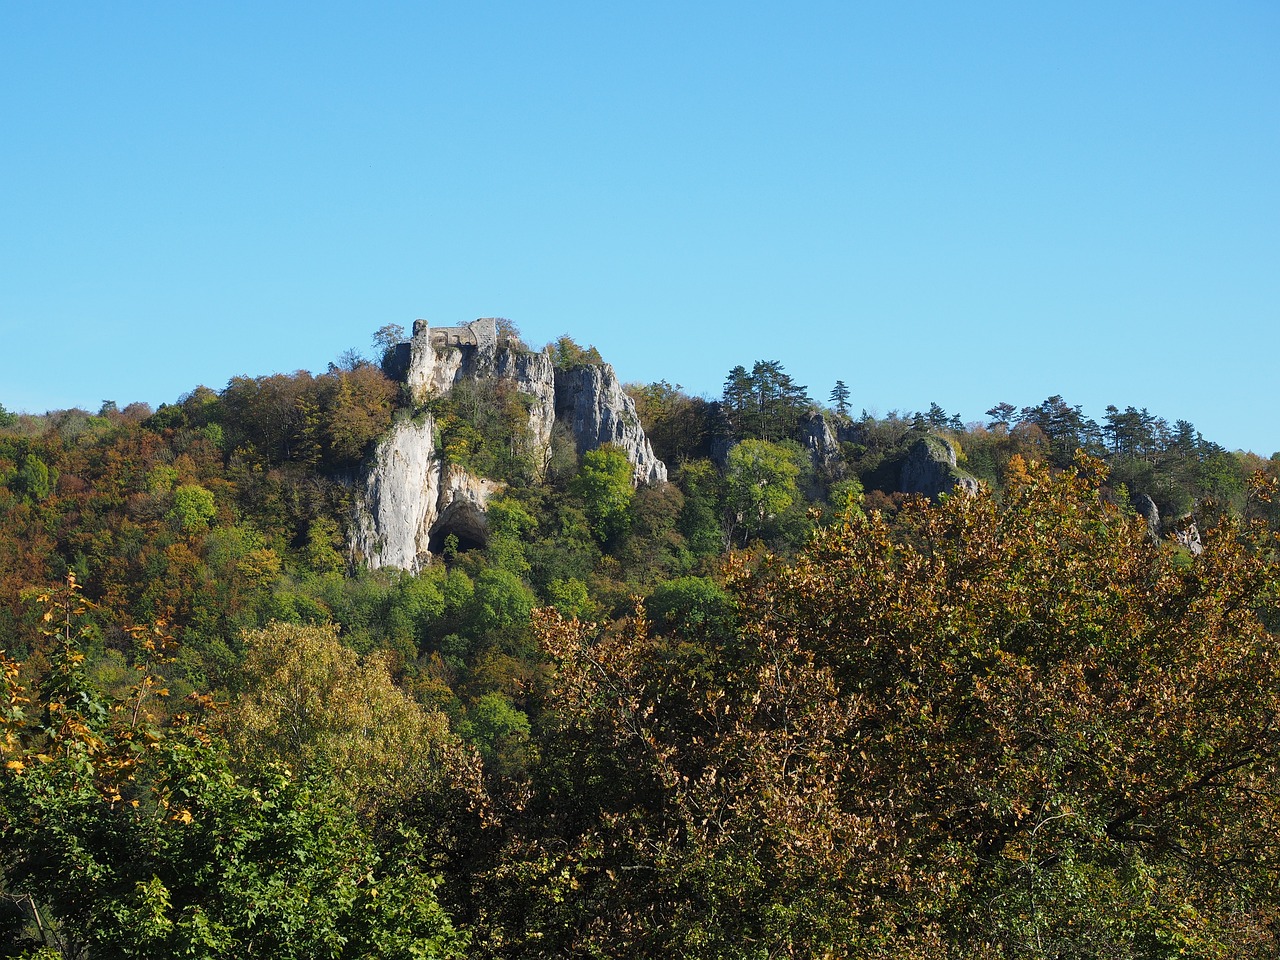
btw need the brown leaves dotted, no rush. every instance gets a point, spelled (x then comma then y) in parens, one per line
(942, 719)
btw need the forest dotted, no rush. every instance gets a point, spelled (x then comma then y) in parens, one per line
(776, 706)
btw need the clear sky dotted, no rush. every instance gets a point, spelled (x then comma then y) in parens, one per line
(964, 203)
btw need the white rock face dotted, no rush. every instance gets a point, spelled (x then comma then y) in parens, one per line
(534, 375)
(397, 499)
(592, 402)
(434, 369)
(407, 501)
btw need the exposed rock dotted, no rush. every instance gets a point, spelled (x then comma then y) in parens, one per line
(821, 441)
(1147, 509)
(850, 431)
(397, 499)
(534, 375)
(439, 357)
(592, 403)
(408, 502)
(1187, 535)
(930, 469)
(461, 509)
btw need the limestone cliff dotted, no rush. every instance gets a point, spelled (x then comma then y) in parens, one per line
(440, 357)
(591, 401)
(397, 499)
(823, 443)
(408, 501)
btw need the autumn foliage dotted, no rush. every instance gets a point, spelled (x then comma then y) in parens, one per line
(1011, 730)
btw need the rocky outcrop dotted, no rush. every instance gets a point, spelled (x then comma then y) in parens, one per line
(439, 357)
(397, 499)
(930, 469)
(592, 403)
(460, 509)
(1187, 535)
(823, 444)
(408, 502)
(1147, 509)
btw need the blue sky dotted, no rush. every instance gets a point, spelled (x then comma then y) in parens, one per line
(960, 203)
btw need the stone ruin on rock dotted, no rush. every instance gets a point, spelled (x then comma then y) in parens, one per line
(482, 333)
(408, 501)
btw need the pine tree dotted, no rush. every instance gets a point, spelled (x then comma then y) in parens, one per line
(840, 398)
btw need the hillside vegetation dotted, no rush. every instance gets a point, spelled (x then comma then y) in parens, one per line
(780, 706)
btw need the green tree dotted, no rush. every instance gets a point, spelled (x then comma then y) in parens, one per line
(193, 508)
(840, 398)
(606, 487)
(123, 836)
(990, 730)
(700, 518)
(312, 704)
(760, 481)
(567, 353)
(34, 480)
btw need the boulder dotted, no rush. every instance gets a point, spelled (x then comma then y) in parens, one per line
(930, 469)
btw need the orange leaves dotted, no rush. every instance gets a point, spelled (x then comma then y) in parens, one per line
(1000, 712)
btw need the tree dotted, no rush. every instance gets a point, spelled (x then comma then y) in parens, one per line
(677, 424)
(566, 353)
(840, 398)
(994, 729)
(1066, 428)
(387, 338)
(700, 517)
(124, 836)
(313, 705)
(761, 484)
(193, 508)
(606, 487)
(1002, 415)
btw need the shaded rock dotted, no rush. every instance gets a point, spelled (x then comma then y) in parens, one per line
(722, 437)
(930, 469)
(461, 510)
(1147, 509)
(850, 431)
(820, 439)
(592, 404)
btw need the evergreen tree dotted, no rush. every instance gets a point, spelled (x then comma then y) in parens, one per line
(840, 398)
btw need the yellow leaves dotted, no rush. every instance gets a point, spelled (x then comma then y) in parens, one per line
(17, 766)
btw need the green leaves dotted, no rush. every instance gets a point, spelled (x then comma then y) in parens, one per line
(606, 488)
(121, 838)
(988, 729)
